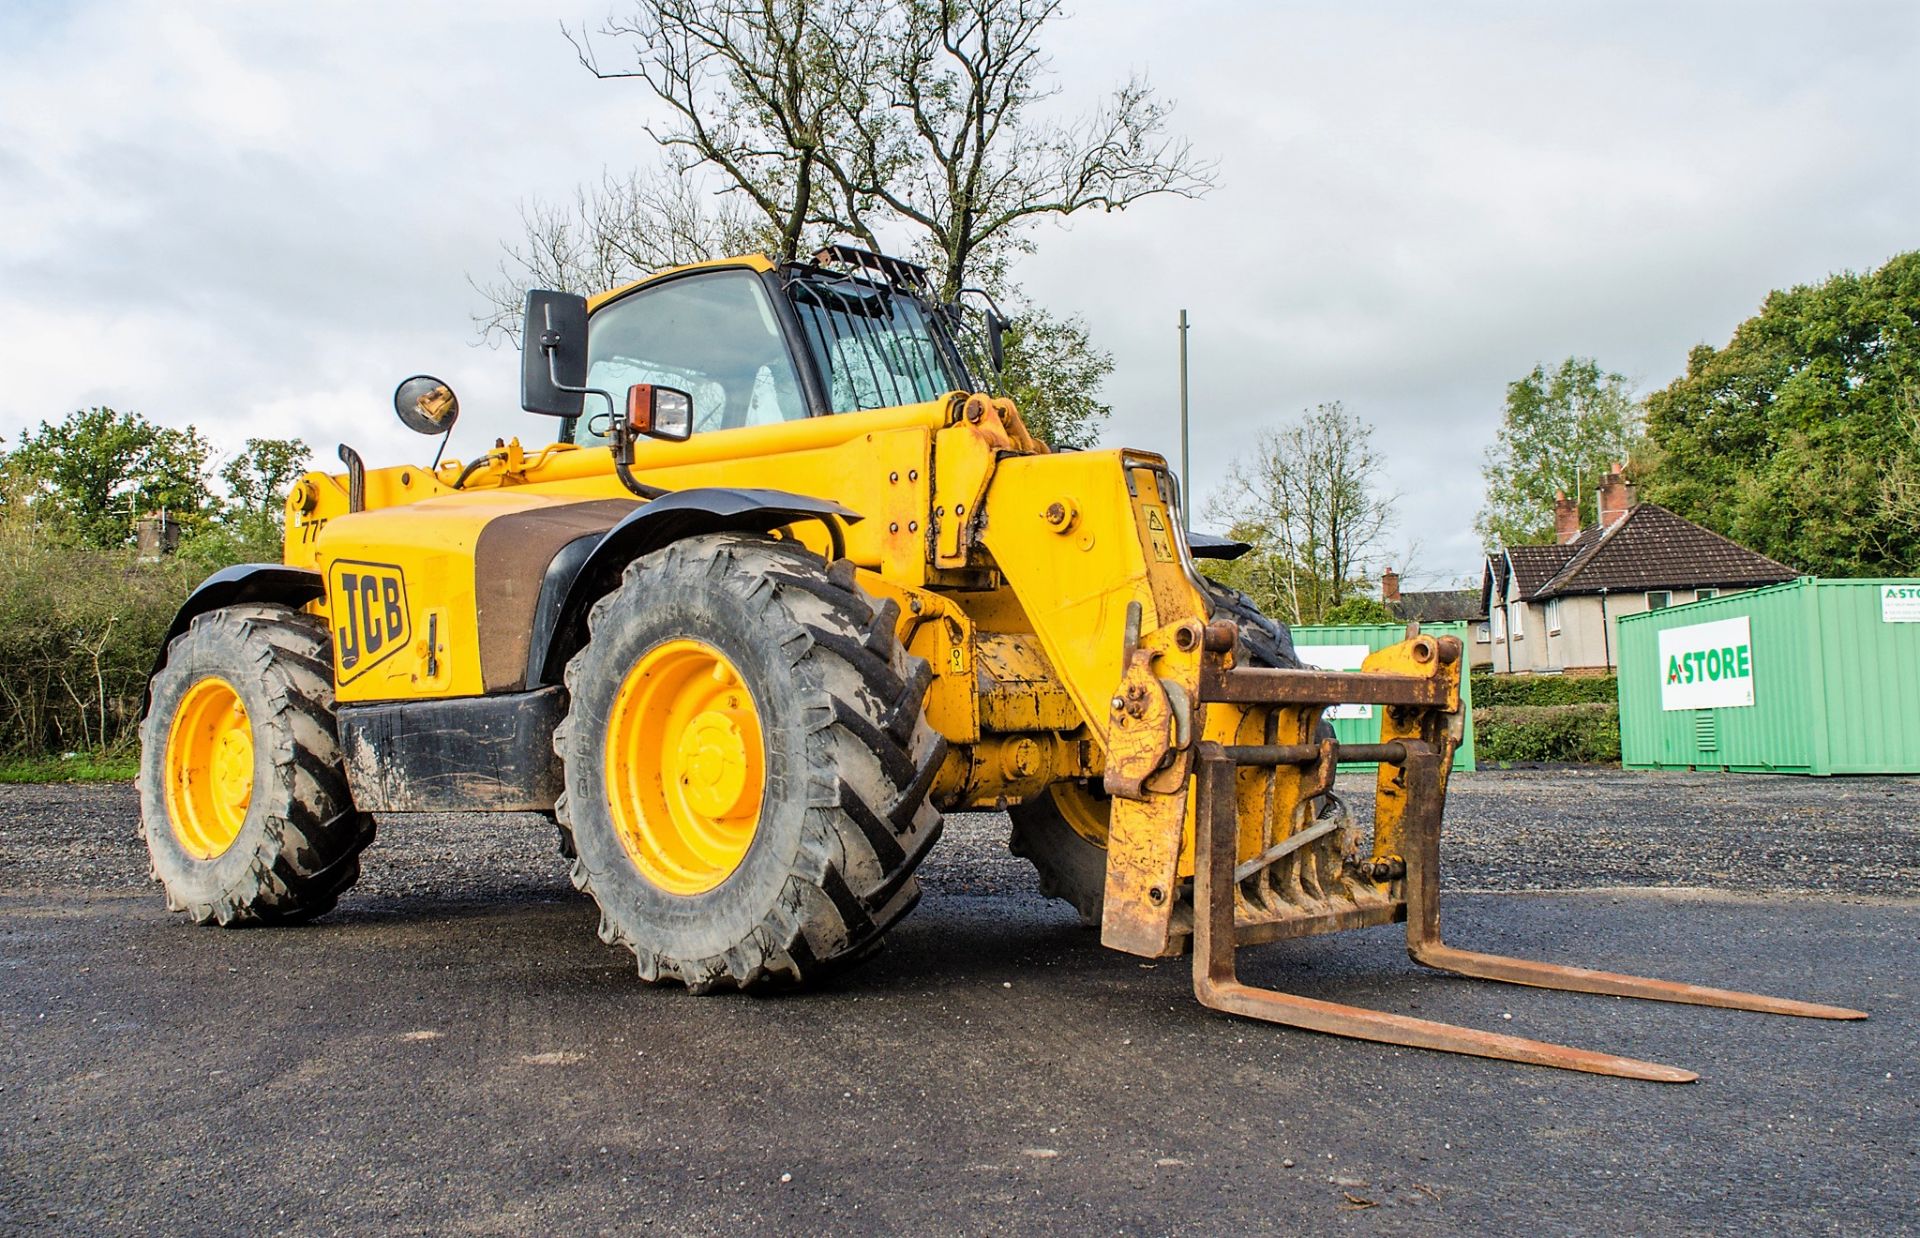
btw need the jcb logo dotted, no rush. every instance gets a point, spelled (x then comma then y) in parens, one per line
(369, 614)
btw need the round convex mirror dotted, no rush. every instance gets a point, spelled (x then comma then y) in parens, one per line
(426, 405)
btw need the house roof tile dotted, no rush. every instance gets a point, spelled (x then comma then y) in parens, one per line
(1534, 566)
(1439, 606)
(1649, 548)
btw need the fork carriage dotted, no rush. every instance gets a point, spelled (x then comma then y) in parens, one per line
(1314, 880)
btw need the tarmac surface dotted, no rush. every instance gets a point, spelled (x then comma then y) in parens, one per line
(452, 1049)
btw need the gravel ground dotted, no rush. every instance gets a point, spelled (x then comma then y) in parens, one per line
(452, 1051)
(1550, 829)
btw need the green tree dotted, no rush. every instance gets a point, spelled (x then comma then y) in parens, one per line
(1791, 439)
(1558, 434)
(1053, 372)
(259, 477)
(94, 472)
(252, 521)
(1261, 573)
(1900, 479)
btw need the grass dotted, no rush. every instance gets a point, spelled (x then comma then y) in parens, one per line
(72, 767)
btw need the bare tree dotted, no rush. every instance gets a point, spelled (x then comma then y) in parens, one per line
(608, 235)
(761, 92)
(960, 153)
(1310, 500)
(789, 122)
(866, 116)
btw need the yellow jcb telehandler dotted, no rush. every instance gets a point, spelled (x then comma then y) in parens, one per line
(791, 582)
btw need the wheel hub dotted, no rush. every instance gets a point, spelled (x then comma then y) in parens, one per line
(713, 763)
(684, 765)
(209, 768)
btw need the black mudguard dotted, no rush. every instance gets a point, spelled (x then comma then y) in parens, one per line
(235, 586)
(659, 523)
(1211, 546)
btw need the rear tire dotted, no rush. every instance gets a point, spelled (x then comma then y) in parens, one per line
(273, 839)
(1073, 867)
(843, 763)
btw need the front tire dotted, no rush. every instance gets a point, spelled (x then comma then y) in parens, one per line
(243, 797)
(747, 765)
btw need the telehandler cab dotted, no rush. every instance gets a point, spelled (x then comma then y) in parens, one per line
(789, 585)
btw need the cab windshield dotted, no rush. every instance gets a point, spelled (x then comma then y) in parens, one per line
(713, 335)
(876, 347)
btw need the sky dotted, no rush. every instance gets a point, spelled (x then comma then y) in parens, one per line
(258, 218)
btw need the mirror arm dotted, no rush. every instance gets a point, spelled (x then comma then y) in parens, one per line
(549, 342)
(622, 435)
(997, 323)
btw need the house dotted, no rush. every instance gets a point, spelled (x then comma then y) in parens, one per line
(1438, 606)
(1551, 608)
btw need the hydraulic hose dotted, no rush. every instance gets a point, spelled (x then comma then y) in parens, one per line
(473, 466)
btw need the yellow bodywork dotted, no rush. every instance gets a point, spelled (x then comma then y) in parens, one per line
(1052, 594)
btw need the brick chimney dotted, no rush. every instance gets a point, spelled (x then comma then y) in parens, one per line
(1389, 586)
(1566, 518)
(1616, 496)
(156, 534)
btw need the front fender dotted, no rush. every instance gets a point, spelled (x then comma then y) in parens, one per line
(661, 522)
(236, 586)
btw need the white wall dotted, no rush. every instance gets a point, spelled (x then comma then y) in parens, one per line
(1584, 642)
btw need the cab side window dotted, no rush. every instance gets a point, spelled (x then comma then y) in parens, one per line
(712, 335)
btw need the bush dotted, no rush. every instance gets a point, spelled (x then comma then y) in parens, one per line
(1586, 733)
(79, 629)
(1355, 611)
(1491, 689)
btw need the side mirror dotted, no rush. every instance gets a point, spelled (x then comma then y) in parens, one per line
(553, 354)
(996, 344)
(660, 412)
(426, 405)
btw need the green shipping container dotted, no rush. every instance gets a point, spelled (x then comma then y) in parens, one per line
(1810, 677)
(1333, 647)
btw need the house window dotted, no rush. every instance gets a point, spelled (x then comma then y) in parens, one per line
(1517, 619)
(1553, 615)
(1482, 633)
(1701, 595)
(1659, 599)
(1499, 619)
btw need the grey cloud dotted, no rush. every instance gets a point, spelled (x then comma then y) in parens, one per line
(260, 217)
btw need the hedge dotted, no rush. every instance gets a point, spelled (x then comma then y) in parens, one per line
(79, 629)
(1584, 733)
(1491, 689)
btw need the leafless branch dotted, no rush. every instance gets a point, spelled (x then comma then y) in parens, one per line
(860, 116)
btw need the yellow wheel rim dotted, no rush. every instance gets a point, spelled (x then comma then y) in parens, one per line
(209, 768)
(685, 766)
(1087, 813)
